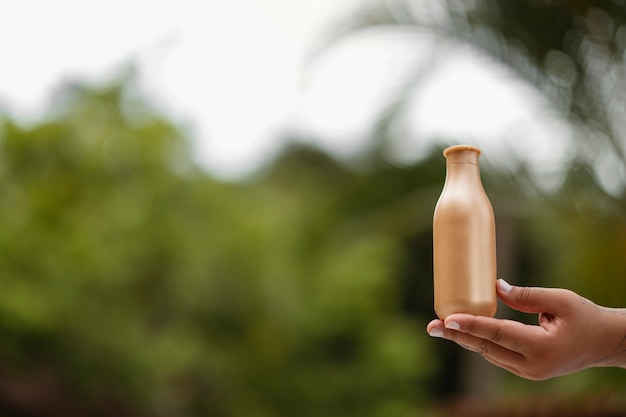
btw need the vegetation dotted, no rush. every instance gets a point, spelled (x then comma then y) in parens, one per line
(128, 275)
(571, 52)
(134, 284)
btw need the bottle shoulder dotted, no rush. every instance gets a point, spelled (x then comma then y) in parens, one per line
(466, 204)
(455, 196)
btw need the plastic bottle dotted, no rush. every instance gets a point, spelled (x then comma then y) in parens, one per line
(464, 242)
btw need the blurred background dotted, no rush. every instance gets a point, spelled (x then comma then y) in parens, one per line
(225, 208)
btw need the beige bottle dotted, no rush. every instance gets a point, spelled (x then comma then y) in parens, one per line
(464, 242)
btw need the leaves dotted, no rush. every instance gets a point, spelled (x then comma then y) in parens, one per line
(570, 52)
(187, 296)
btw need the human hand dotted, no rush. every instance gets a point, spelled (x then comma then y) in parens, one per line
(573, 333)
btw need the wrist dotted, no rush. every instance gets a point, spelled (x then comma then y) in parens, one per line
(613, 351)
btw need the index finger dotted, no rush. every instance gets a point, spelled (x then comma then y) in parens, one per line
(509, 334)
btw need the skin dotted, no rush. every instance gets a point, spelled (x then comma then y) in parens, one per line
(573, 333)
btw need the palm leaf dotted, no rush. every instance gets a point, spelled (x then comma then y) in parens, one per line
(571, 52)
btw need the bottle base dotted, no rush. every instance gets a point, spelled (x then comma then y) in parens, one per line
(487, 309)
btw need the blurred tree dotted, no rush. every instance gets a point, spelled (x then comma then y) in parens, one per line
(571, 51)
(133, 284)
(573, 54)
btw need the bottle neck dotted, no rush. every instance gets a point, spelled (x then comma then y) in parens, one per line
(462, 166)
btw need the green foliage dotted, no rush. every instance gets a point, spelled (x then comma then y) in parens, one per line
(572, 53)
(131, 274)
(128, 271)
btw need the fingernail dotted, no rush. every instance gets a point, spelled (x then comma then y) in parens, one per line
(504, 286)
(436, 332)
(453, 325)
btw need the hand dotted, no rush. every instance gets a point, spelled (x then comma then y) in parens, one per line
(573, 333)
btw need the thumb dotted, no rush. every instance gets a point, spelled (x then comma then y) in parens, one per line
(530, 299)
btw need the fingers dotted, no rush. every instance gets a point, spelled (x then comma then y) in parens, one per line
(533, 299)
(511, 335)
(533, 352)
(469, 338)
(481, 334)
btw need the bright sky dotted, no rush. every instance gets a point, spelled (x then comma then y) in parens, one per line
(235, 71)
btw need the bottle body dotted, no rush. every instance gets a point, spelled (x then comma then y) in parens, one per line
(464, 243)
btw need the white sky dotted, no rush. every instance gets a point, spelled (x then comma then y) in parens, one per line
(235, 71)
